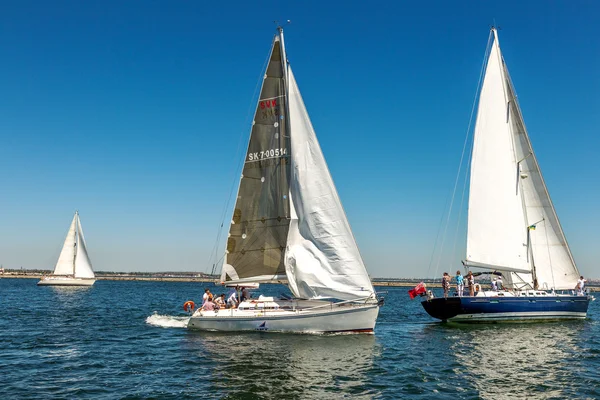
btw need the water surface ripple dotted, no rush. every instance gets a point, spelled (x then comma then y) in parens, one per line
(127, 340)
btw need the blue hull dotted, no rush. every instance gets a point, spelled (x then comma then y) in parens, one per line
(507, 309)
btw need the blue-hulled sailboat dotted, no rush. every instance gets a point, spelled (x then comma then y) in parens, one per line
(512, 227)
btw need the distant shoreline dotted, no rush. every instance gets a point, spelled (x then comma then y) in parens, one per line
(376, 282)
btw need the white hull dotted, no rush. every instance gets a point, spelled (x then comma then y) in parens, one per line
(65, 281)
(324, 318)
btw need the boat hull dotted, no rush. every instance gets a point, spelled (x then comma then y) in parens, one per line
(507, 309)
(355, 318)
(65, 281)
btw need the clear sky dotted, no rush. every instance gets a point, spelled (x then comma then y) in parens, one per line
(132, 111)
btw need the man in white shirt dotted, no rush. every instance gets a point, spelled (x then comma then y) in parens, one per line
(220, 301)
(232, 299)
(580, 285)
(207, 295)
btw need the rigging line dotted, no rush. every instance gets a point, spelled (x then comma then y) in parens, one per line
(462, 201)
(213, 253)
(437, 238)
(479, 83)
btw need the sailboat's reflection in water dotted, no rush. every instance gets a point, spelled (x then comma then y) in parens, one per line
(303, 366)
(518, 362)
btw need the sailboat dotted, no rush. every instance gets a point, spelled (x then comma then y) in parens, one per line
(288, 224)
(73, 267)
(512, 228)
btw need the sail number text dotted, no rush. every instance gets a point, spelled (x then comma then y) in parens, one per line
(261, 155)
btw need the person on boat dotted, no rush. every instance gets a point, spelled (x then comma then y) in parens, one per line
(245, 295)
(220, 301)
(232, 301)
(460, 284)
(471, 283)
(207, 296)
(446, 284)
(499, 283)
(580, 285)
(494, 284)
(208, 306)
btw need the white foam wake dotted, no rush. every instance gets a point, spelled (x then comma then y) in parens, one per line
(167, 321)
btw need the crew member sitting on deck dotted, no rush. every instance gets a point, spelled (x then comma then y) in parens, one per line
(208, 306)
(232, 301)
(220, 301)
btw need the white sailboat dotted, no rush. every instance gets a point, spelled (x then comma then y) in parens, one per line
(512, 227)
(73, 267)
(288, 223)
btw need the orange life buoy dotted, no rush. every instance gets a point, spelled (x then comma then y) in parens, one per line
(189, 306)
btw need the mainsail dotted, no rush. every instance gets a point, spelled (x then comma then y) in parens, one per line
(261, 217)
(512, 224)
(308, 240)
(66, 260)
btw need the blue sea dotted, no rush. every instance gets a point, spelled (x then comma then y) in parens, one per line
(128, 340)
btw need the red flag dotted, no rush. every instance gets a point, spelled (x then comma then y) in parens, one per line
(420, 289)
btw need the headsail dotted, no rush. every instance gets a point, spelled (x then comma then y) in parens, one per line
(548, 249)
(322, 258)
(66, 260)
(261, 217)
(512, 222)
(83, 265)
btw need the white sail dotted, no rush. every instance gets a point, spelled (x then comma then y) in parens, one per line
(83, 266)
(512, 223)
(550, 255)
(497, 228)
(322, 259)
(66, 260)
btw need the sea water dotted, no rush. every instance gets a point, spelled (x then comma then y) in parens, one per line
(128, 340)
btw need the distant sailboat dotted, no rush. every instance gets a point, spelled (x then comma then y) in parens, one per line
(512, 225)
(288, 223)
(73, 267)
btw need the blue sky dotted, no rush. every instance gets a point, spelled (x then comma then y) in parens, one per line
(132, 113)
